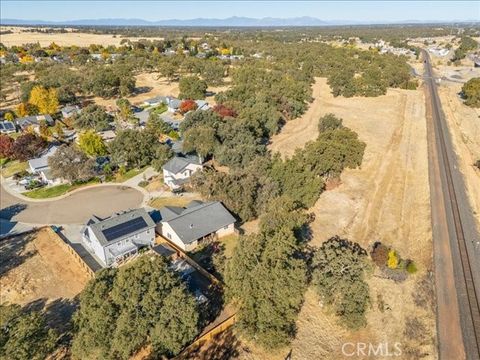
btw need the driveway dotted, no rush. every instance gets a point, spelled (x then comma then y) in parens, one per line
(76, 208)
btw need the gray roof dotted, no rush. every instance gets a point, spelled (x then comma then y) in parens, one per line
(176, 164)
(142, 116)
(70, 109)
(156, 100)
(42, 161)
(33, 120)
(117, 227)
(200, 219)
(173, 102)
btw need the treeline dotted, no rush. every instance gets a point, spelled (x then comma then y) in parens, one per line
(248, 189)
(466, 44)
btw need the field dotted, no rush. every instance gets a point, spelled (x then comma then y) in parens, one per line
(386, 200)
(63, 39)
(36, 268)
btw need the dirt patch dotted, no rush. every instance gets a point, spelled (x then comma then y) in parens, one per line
(35, 267)
(387, 199)
(62, 39)
(464, 126)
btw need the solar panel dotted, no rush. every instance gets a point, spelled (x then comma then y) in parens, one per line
(125, 228)
(8, 126)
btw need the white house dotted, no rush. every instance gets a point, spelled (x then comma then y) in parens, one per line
(114, 239)
(178, 170)
(173, 104)
(40, 166)
(188, 227)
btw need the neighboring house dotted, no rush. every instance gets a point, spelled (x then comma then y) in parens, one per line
(40, 166)
(142, 117)
(70, 110)
(107, 135)
(202, 105)
(170, 120)
(34, 122)
(114, 239)
(7, 127)
(178, 170)
(173, 104)
(155, 101)
(188, 227)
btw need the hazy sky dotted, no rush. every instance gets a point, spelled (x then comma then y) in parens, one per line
(325, 10)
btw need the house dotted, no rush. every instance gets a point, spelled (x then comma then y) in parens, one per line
(7, 127)
(173, 104)
(34, 122)
(114, 239)
(69, 110)
(187, 227)
(155, 101)
(107, 135)
(40, 166)
(202, 105)
(178, 170)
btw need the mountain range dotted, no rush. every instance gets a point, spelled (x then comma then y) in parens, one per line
(206, 22)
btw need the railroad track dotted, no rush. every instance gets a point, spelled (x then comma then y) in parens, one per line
(471, 331)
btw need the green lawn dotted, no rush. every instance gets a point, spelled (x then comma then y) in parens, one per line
(128, 175)
(11, 168)
(57, 190)
(159, 109)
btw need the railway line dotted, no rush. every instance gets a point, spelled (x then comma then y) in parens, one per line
(451, 213)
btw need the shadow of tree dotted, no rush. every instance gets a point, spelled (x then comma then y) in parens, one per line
(221, 347)
(10, 211)
(143, 89)
(13, 253)
(58, 313)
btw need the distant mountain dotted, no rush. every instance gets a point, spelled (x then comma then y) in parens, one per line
(204, 22)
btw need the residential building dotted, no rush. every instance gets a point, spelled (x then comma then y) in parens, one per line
(173, 104)
(40, 166)
(69, 111)
(178, 170)
(157, 100)
(189, 226)
(7, 127)
(114, 239)
(34, 122)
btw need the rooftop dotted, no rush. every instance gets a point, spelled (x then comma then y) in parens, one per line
(176, 164)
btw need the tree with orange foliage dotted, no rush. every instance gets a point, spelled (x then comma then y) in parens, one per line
(187, 105)
(224, 111)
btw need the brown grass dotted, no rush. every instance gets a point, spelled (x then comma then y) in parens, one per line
(172, 201)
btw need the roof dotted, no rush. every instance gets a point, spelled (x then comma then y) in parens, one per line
(142, 116)
(176, 164)
(156, 100)
(164, 250)
(199, 219)
(42, 161)
(120, 226)
(70, 109)
(173, 102)
(33, 120)
(7, 126)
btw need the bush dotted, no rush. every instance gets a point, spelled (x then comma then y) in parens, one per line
(379, 254)
(411, 267)
(392, 261)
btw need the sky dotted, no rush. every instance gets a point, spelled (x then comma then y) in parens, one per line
(374, 11)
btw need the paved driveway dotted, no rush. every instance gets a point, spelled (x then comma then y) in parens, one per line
(74, 209)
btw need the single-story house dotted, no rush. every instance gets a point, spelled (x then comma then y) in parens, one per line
(7, 127)
(188, 226)
(34, 122)
(202, 105)
(114, 239)
(178, 170)
(40, 166)
(142, 117)
(155, 101)
(107, 135)
(69, 110)
(173, 104)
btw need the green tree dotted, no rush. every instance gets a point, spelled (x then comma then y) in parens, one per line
(200, 139)
(126, 309)
(93, 117)
(156, 125)
(71, 164)
(267, 276)
(24, 335)
(192, 87)
(339, 272)
(471, 92)
(329, 122)
(92, 143)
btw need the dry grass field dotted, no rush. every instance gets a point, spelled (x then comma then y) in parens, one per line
(386, 200)
(69, 38)
(34, 267)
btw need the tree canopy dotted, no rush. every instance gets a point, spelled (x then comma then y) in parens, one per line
(71, 164)
(471, 92)
(92, 117)
(192, 87)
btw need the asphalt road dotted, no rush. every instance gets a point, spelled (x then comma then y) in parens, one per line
(74, 209)
(457, 269)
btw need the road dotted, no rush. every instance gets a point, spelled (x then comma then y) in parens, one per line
(76, 208)
(457, 269)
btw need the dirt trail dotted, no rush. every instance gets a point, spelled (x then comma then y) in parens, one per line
(386, 200)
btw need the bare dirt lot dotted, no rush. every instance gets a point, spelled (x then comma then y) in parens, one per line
(386, 200)
(70, 38)
(35, 267)
(464, 126)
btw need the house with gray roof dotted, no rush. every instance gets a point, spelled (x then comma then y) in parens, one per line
(7, 127)
(69, 111)
(114, 239)
(178, 170)
(40, 166)
(189, 226)
(34, 122)
(157, 100)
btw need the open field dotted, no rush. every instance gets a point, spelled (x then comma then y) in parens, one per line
(34, 267)
(464, 126)
(63, 39)
(386, 200)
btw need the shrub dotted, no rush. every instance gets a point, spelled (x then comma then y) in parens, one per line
(392, 261)
(379, 254)
(411, 267)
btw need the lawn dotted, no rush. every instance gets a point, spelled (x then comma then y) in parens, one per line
(171, 201)
(11, 168)
(230, 242)
(57, 190)
(160, 109)
(128, 175)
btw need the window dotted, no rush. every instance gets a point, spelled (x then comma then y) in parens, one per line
(169, 236)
